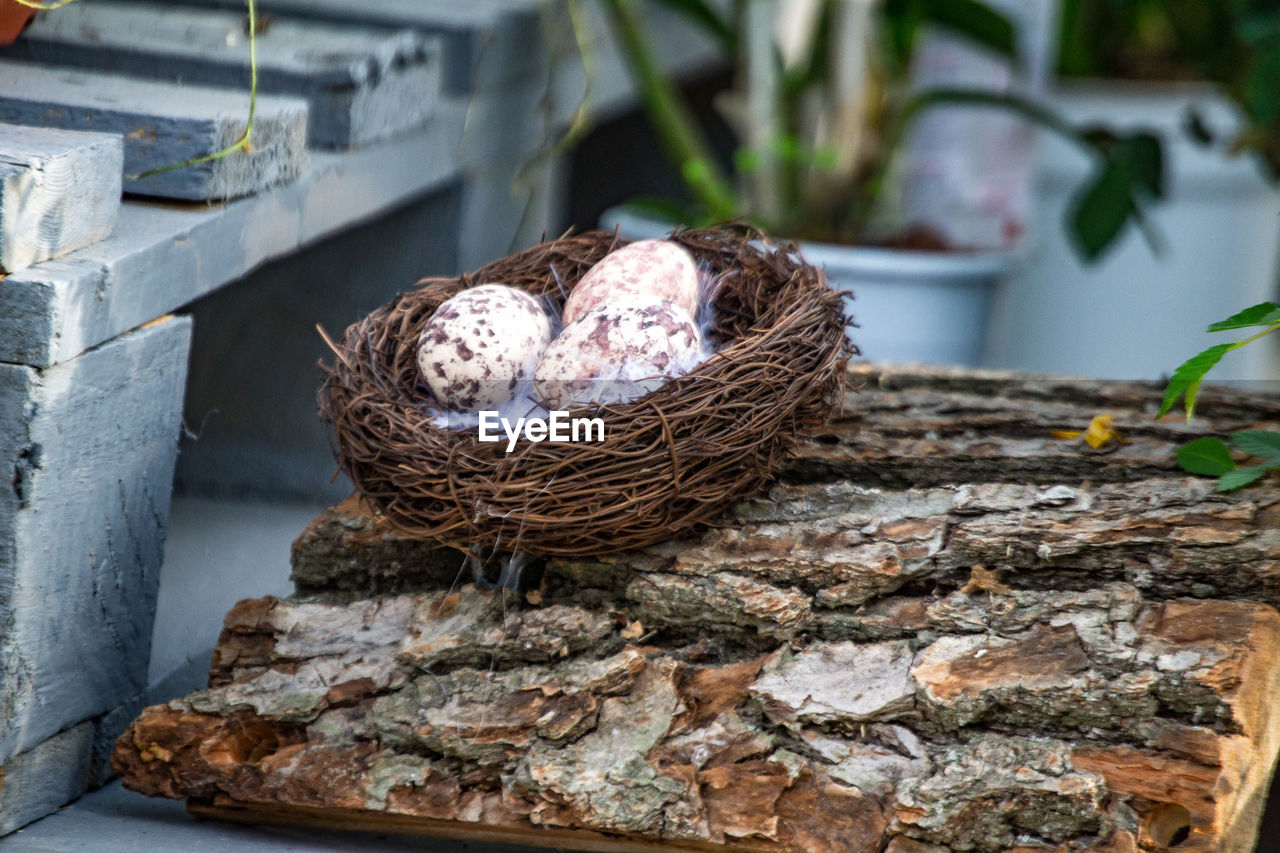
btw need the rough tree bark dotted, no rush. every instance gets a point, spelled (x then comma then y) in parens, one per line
(944, 630)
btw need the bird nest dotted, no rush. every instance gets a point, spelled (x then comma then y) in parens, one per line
(669, 461)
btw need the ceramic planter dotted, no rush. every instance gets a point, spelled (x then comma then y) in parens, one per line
(1136, 315)
(929, 307)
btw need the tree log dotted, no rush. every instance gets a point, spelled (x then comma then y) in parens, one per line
(943, 630)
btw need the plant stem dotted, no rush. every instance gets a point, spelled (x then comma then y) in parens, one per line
(763, 187)
(684, 141)
(44, 7)
(241, 144)
(1268, 330)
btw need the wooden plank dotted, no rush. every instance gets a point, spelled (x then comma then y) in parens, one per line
(59, 191)
(488, 44)
(163, 124)
(45, 777)
(361, 85)
(83, 525)
(161, 257)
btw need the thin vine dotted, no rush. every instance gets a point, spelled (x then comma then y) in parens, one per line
(244, 143)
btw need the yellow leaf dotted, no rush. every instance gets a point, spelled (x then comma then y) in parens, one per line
(1099, 431)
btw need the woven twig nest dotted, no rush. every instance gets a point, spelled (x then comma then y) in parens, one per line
(670, 460)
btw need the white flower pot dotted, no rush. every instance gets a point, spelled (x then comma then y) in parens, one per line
(927, 307)
(1135, 315)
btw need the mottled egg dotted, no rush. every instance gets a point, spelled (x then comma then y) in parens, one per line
(481, 344)
(618, 352)
(655, 268)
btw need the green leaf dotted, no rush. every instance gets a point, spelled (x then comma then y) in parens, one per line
(901, 21)
(1186, 379)
(1262, 314)
(977, 21)
(1258, 27)
(1242, 477)
(747, 160)
(1258, 442)
(1208, 456)
(1142, 156)
(1261, 95)
(1099, 213)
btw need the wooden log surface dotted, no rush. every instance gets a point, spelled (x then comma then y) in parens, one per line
(361, 85)
(944, 630)
(163, 124)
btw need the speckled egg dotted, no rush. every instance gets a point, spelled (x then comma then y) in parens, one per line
(481, 344)
(655, 268)
(618, 352)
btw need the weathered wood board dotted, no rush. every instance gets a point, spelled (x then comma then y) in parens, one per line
(163, 256)
(488, 44)
(991, 640)
(45, 777)
(164, 124)
(59, 191)
(90, 447)
(361, 85)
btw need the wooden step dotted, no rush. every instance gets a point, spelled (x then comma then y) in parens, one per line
(45, 777)
(488, 44)
(362, 85)
(89, 447)
(59, 191)
(164, 124)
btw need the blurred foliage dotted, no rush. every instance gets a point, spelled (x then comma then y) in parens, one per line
(821, 102)
(1234, 43)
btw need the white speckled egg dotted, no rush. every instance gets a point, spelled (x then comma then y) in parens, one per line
(618, 352)
(481, 344)
(655, 268)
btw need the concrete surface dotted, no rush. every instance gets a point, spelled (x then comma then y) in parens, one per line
(218, 552)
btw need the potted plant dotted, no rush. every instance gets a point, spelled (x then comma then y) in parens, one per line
(13, 18)
(820, 108)
(1203, 76)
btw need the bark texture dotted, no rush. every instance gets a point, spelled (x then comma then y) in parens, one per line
(945, 630)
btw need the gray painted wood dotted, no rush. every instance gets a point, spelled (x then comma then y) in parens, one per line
(487, 43)
(251, 398)
(106, 729)
(362, 85)
(163, 124)
(83, 521)
(44, 778)
(162, 257)
(59, 191)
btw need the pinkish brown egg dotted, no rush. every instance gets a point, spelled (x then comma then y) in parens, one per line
(617, 353)
(481, 344)
(654, 268)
